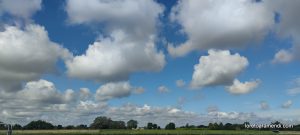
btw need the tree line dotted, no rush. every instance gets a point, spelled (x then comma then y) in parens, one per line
(103, 122)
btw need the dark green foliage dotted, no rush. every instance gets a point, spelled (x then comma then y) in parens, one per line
(81, 126)
(152, 126)
(202, 126)
(228, 126)
(149, 125)
(170, 126)
(101, 123)
(106, 123)
(39, 125)
(132, 124)
(59, 127)
(187, 126)
(70, 127)
(297, 127)
(17, 127)
(2, 127)
(117, 125)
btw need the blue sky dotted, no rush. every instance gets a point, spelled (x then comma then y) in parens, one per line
(70, 61)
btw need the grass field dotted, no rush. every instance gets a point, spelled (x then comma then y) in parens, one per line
(145, 132)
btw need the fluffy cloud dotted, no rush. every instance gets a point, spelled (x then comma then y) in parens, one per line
(24, 55)
(146, 113)
(295, 90)
(264, 105)
(113, 59)
(180, 83)
(210, 109)
(220, 24)
(35, 98)
(230, 116)
(218, 68)
(163, 89)
(181, 101)
(287, 104)
(283, 56)
(139, 90)
(242, 88)
(44, 92)
(42, 100)
(20, 8)
(124, 18)
(129, 45)
(114, 90)
(288, 26)
(84, 93)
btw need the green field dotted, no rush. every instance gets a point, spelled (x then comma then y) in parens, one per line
(146, 132)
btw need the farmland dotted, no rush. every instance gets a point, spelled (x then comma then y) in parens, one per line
(146, 132)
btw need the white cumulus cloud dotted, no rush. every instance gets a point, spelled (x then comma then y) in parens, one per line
(84, 93)
(125, 18)
(295, 90)
(20, 8)
(44, 92)
(242, 88)
(24, 55)
(218, 24)
(218, 68)
(283, 56)
(114, 90)
(180, 83)
(287, 27)
(264, 105)
(130, 45)
(163, 89)
(287, 104)
(114, 59)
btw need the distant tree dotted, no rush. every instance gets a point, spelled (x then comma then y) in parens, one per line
(211, 126)
(39, 125)
(59, 127)
(158, 128)
(216, 126)
(192, 126)
(81, 126)
(2, 127)
(246, 123)
(117, 125)
(296, 127)
(221, 126)
(132, 124)
(17, 127)
(170, 126)
(149, 125)
(276, 123)
(154, 126)
(237, 126)
(70, 127)
(101, 122)
(202, 126)
(228, 126)
(187, 125)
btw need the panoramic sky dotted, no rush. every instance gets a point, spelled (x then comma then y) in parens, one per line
(189, 61)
